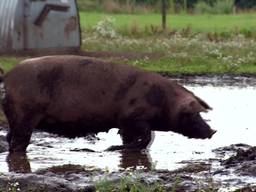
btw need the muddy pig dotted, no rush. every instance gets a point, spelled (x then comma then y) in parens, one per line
(74, 96)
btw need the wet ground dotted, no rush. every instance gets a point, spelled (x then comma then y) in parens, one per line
(226, 162)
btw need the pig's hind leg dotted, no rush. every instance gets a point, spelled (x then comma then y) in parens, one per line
(21, 125)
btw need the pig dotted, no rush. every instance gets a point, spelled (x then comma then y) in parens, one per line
(75, 96)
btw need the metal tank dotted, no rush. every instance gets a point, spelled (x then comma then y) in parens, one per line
(39, 25)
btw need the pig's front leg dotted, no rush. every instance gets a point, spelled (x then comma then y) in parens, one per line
(135, 135)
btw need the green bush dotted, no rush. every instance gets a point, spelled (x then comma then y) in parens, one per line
(218, 7)
(223, 7)
(202, 8)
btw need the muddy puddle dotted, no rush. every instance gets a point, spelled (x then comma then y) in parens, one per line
(233, 116)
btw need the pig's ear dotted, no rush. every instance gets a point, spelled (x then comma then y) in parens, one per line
(195, 106)
(203, 103)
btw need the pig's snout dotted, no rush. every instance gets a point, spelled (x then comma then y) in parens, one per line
(212, 132)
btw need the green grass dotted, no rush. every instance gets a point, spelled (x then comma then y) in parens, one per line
(128, 184)
(7, 63)
(182, 55)
(197, 23)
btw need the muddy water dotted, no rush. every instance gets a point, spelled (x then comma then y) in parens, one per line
(233, 116)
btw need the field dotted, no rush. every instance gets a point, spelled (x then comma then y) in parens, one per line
(191, 45)
(197, 23)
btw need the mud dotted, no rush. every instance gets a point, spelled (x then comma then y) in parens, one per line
(244, 162)
(238, 171)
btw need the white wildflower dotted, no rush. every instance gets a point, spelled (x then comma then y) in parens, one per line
(105, 28)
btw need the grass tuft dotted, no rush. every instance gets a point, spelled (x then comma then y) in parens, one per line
(128, 184)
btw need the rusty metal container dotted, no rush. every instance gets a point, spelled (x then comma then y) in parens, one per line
(39, 25)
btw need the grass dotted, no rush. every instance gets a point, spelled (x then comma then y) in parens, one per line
(134, 183)
(181, 55)
(128, 184)
(7, 63)
(197, 23)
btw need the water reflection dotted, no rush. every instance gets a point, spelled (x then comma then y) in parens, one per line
(135, 159)
(18, 162)
(132, 159)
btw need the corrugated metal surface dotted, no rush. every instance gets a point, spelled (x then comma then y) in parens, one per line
(59, 29)
(38, 24)
(11, 12)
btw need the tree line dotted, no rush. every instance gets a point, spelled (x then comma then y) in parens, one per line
(190, 4)
(172, 6)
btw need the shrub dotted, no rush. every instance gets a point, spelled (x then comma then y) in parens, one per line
(202, 7)
(105, 28)
(223, 7)
(88, 5)
(219, 7)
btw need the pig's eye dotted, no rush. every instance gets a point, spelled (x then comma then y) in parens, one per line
(185, 117)
(189, 115)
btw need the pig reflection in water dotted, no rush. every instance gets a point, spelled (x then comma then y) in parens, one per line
(135, 158)
(19, 163)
